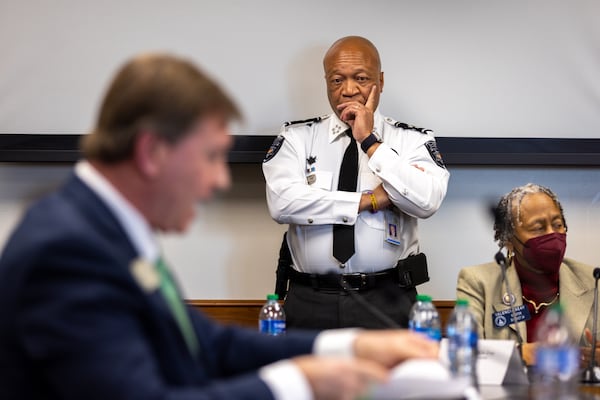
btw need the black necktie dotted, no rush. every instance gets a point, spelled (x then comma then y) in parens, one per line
(343, 235)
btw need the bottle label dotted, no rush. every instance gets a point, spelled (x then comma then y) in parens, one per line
(466, 338)
(462, 351)
(272, 327)
(432, 333)
(560, 362)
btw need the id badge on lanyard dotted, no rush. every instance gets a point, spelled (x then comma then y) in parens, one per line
(392, 227)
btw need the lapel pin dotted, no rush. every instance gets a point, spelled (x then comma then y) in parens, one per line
(508, 299)
(145, 275)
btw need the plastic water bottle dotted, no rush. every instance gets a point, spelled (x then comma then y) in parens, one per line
(424, 317)
(271, 319)
(462, 342)
(556, 371)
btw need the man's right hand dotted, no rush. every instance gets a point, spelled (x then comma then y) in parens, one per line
(392, 346)
(340, 378)
(528, 352)
(375, 353)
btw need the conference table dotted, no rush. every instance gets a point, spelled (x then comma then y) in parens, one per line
(505, 392)
(528, 392)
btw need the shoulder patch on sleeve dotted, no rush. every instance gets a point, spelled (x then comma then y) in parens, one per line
(435, 153)
(275, 146)
(404, 125)
(308, 122)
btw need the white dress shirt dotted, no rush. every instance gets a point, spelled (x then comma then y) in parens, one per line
(135, 225)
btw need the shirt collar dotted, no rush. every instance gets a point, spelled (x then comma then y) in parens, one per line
(338, 128)
(135, 225)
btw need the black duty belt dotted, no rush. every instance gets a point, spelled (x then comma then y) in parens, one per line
(409, 272)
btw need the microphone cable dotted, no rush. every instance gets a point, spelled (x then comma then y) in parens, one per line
(589, 375)
(501, 261)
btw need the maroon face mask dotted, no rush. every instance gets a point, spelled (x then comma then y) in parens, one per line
(545, 252)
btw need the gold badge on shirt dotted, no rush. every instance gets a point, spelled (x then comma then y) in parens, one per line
(145, 274)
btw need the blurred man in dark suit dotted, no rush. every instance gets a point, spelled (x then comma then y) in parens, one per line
(89, 308)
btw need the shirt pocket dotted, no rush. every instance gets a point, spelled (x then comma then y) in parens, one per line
(323, 180)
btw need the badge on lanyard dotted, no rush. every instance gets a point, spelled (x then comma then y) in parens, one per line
(311, 177)
(504, 318)
(392, 224)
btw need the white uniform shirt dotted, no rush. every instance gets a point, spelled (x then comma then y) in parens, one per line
(301, 172)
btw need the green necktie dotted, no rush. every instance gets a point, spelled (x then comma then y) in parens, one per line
(171, 295)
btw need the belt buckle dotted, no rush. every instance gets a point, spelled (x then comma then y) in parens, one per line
(356, 281)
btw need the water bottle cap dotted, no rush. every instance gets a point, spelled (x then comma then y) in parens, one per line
(556, 307)
(272, 297)
(424, 298)
(462, 302)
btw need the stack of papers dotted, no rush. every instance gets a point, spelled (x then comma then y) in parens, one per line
(498, 364)
(422, 379)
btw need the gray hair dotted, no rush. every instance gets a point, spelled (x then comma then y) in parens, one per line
(509, 210)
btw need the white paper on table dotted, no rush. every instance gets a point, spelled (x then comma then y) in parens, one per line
(498, 362)
(420, 379)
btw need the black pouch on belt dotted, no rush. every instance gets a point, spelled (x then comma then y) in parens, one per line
(412, 271)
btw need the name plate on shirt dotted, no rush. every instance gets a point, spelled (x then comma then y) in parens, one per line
(504, 318)
(498, 362)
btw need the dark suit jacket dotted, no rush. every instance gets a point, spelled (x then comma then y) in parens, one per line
(75, 324)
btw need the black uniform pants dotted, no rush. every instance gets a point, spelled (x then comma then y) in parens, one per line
(310, 308)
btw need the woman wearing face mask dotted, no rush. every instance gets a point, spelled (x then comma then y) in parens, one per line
(530, 225)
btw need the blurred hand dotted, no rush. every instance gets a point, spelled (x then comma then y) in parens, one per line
(528, 352)
(340, 378)
(390, 347)
(586, 352)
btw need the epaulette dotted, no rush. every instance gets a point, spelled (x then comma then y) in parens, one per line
(308, 122)
(403, 125)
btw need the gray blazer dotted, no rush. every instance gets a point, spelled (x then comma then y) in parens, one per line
(482, 285)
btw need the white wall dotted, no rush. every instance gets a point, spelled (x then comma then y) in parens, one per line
(512, 68)
(462, 68)
(231, 250)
